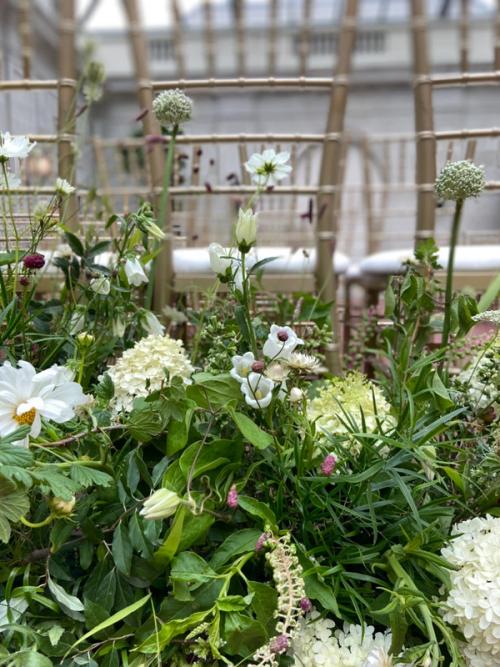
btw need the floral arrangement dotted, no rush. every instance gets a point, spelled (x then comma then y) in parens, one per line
(223, 499)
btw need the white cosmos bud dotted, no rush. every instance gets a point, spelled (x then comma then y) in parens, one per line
(296, 395)
(246, 229)
(162, 504)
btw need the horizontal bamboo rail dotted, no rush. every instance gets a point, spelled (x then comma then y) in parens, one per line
(32, 84)
(183, 191)
(51, 138)
(465, 79)
(240, 82)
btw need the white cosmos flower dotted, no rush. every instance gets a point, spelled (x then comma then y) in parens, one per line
(13, 146)
(64, 188)
(258, 390)
(26, 396)
(242, 366)
(281, 342)
(268, 168)
(135, 273)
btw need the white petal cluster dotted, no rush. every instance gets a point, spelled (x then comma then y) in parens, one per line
(460, 180)
(141, 370)
(268, 168)
(480, 381)
(172, 107)
(473, 603)
(64, 188)
(15, 146)
(27, 396)
(319, 644)
(353, 397)
(258, 390)
(281, 342)
(488, 316)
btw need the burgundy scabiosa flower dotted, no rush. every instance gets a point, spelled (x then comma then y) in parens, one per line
(34, 261)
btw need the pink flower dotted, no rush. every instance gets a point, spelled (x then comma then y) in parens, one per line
(232, 497)
(279, 644)
(328, 464)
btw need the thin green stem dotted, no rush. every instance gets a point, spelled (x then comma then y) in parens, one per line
(246, 303)
(163, 207)
(449, 274)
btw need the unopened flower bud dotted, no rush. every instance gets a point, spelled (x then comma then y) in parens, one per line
(306, 605)
(282, 335)
(232, 497)
(162, 504)
(279, 644)
(259, 545)
(258, 366)
(85, 339)
(246, 229)
(100, 285)
(61, 507)
(296, 395)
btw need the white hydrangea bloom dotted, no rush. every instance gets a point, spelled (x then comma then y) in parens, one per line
(473, 603)
(319, 644)
(141, 370)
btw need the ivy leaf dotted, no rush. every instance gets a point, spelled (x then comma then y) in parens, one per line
(14, 504)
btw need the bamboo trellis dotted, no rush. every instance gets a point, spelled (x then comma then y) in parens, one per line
(327, 192)
(64, 86)
(426, 136)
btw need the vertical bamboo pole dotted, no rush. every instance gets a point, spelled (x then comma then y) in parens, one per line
(164, 262)
(464, 35)
(331, 174)
(273, 36)
(209, 38)
(25, 36)
(371, 238)
(305, 35)
(67, 105)
(497, 36)
(177, 38)
(424, 125)
(240, 36)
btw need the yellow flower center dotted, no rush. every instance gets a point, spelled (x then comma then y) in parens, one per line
(259, 394)
(27, 418)
(244, 370)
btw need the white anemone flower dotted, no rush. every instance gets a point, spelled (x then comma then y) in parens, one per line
(242, 366)
(15, 146)
(258, 390)
(281, 342)
(26, 396)
(135, 273)
(269, 167)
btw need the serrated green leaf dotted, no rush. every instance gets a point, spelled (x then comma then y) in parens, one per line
(14, 503)
(85, 476)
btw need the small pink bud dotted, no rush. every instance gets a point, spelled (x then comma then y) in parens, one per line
(282, 336)
(232, 497)
(279, 644)
(261, 541)
(24, 281)
(258, 366)
(306, 605)
(328, 464)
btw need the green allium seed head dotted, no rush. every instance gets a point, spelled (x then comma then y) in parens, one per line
(172, 107)
(460, 180)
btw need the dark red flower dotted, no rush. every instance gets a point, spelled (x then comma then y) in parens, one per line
(34, 261)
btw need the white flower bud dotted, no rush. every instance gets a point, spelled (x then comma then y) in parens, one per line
(100, 285)
(246, 229)
(61, 507)
(162, 504)
(135, 273)
(296, 395)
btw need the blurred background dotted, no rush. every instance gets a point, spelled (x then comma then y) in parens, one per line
(197, 39)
